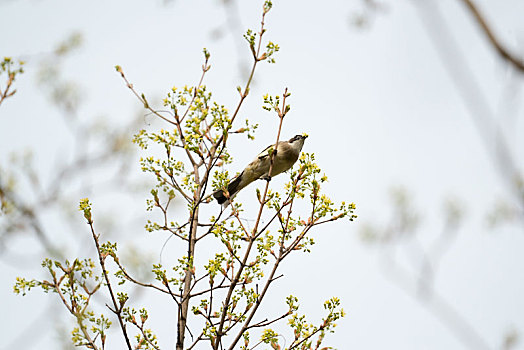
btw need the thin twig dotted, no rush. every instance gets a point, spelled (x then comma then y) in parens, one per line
(147, 285)
(281, 115)
(56, 285)
(295, 346)
(6, 93)
(117, 309)
(236, 279)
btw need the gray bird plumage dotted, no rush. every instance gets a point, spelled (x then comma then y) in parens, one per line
(286, 155)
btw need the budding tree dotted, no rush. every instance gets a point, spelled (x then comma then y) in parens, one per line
(218, 294)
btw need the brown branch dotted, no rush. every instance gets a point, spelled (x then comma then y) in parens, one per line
(197, 200)
(183, 310)
(295, 346)
(174, 232)
(266, 323)
(195, 282)
(141, 328)
(281, 114)
(235, 214)
(117, 308)
(173, 183)
(220, 286)
(243, 94)
(475, 101)
(166, 227)
(205, 68)
(199, 338)
(141, 98)
(258, 302)
(517, 62)
(56, 285)
(212, 225)
(147, 285)
(236, 279)
(199, 191)
(6, 93)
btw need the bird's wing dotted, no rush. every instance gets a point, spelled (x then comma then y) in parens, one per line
(265, 152)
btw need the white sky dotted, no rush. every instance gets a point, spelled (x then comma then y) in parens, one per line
(380, 110)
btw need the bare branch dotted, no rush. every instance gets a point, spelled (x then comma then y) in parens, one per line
(515, 61)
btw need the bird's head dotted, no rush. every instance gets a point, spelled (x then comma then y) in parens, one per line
(300, 138)
(297, 141)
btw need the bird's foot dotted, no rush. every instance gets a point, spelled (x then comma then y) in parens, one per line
(267, 178)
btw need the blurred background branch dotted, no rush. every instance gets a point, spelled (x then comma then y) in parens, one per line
(511, 58)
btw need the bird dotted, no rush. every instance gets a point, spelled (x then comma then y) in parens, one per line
(286, 155)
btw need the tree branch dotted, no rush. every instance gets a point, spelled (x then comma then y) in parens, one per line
(117, 309)
(517, 62)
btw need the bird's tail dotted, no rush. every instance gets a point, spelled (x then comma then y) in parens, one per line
(232, 188)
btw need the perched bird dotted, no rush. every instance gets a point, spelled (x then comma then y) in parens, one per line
(286, 155)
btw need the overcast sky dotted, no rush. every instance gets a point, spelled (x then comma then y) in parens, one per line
(382, 106)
